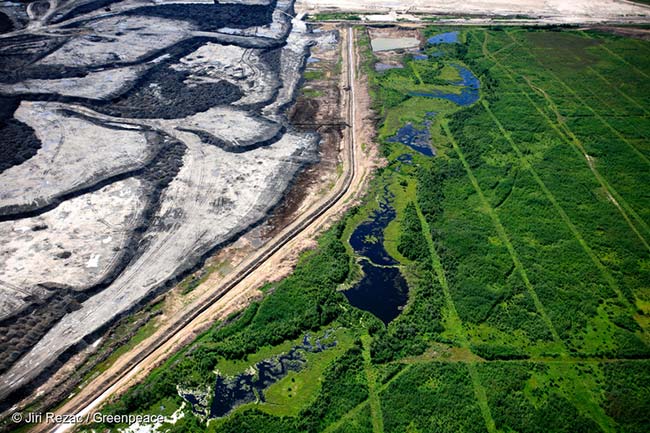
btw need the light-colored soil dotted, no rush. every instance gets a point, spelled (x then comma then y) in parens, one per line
(231, 176)
(577, 11)
(275, 267)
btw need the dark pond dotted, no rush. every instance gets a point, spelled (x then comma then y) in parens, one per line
(383, 290)
(468, 95)
(5, 23)
(230, 392)
(444, 38)
(405, 158)
(368, 239)
(416, 138)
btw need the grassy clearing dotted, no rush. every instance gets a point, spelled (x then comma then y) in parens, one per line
(292, 394)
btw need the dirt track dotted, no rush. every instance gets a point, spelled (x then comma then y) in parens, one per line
(267, 264)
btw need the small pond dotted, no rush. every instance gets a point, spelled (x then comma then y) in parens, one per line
(468, 95)
(405, 158)
(368, 238)
(388, 44)
(383, 291)
(444, 38)
(247, 387)
(418, 139)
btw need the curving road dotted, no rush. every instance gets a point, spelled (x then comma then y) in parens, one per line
(93, 395)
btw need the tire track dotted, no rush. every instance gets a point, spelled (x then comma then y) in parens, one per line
(112, 384)
(505, 239)
(567, 136)
(565, 218)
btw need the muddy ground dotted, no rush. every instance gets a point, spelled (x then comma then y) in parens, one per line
(317, 109)
(184, 146)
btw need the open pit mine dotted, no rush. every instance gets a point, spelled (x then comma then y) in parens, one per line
(137, 137)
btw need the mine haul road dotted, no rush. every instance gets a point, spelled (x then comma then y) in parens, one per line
(134, 365)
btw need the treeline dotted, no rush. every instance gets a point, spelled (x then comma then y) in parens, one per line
(414, 330)
(305, 301)
(411, 243)
(344, 386)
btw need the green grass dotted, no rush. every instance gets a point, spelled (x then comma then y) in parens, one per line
(314, 75)
(290, 395)
(529, 305)
(232, 367)
(296, 391)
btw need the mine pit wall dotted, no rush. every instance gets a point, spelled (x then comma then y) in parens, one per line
(15, 397)
(18, 212)
(33, 209)
(304, 115)
(280, 191)
(63, 300)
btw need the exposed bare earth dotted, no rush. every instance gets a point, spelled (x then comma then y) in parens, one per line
(549, 11)
(211, 63)
(182, 149)
(273, 267)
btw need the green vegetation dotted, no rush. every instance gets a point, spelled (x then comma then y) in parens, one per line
(529, 395)
(334, 16)
(412, 244)
(525, 242)
(432, 397)
(314, 75)
(311, 93)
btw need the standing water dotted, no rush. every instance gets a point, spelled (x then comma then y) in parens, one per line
(389, 44)
(468, 95)
(418, 139)
(444, 38)
(382, 290)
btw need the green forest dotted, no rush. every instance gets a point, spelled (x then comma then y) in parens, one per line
(525, 242)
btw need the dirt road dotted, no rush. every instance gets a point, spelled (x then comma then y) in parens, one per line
(242, 284)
